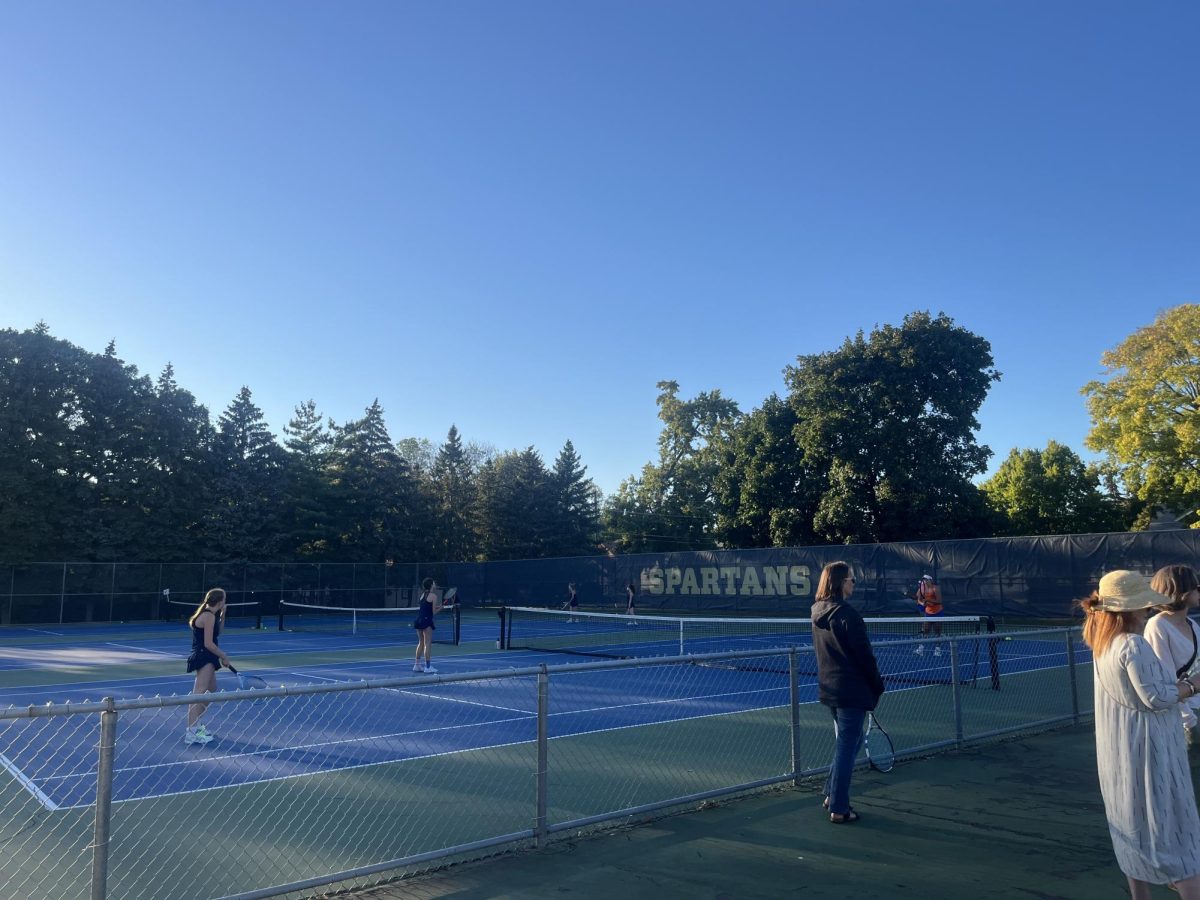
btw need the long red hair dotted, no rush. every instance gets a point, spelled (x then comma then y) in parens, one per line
(1102, 627)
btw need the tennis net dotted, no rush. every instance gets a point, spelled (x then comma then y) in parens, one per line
(627, 637)
(387, 623)
(242, 615)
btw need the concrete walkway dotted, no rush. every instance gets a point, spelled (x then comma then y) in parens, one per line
(1015, 819)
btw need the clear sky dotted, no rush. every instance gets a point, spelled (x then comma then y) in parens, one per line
(517, 217)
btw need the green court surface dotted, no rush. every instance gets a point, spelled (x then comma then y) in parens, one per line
(1010, 818)
(1020, 818)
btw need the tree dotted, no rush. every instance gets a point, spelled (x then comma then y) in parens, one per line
(891, 420)
(38, 411)
(248, 485)
(576, 506)
(452, 484)
(514, 504)
(376, 496)
(1146, 415)
(307, 520)
(765, 491)
(1049, 491)
(175, 488)
(671, 505)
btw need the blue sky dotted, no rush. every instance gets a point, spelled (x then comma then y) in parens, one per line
(517, 217)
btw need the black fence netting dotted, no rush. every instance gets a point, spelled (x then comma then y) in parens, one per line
(1017, 578)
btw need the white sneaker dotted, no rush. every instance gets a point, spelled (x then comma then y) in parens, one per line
(937, 651)
(430, 670)
(920, 650)
(195, 736)
(418, 668)
(204, 732)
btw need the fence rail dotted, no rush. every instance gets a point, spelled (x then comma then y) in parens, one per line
(361, 782)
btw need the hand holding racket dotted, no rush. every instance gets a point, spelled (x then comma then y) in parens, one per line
(880, 753)
(247, 682)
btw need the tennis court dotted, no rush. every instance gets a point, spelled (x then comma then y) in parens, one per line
(327, 748)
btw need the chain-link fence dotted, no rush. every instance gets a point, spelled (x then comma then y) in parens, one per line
(358, 783)
(82, 592)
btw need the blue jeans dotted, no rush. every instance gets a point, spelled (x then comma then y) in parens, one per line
(848, 726)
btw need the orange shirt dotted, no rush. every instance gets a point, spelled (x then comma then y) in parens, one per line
(930, 597)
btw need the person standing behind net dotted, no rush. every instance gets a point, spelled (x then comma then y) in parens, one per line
(1141, 755)
(206, 657)
(848, 680)
(572, 603)
(1174, 636)
(429, 606)
(929, 598)
(631, 602)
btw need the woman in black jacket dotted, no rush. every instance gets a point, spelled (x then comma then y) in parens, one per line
(848, 679)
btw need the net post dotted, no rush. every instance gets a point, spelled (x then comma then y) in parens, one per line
(1071, 675)
(543, 756)
(794, 702)
(104, 780)
(956, 686)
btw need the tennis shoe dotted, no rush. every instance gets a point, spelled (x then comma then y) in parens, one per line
(204, 732)
(430, 670)
(920, 651)
(418, 668)
(193, 736)
(937, 651)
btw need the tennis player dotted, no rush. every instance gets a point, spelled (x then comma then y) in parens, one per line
(631, 602)
(430, 605)
(848, 680)
(572, 600)
(929, 598)
(206, 657)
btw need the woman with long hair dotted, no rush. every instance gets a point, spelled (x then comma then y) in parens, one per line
(1173, 635)
(848, 680)
(429, 606)
(1141, 755)
(206, 657)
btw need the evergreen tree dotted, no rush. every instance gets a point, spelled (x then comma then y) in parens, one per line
(248, 486)
(452, 482)
(576, 525)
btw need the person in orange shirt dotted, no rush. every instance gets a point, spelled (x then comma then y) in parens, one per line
(929, 598)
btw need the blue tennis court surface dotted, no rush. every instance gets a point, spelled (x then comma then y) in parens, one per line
(271, 739)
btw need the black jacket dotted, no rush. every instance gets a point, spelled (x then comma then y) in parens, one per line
(847, 674)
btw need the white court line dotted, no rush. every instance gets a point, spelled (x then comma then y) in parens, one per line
(27, 783)
(143, 649)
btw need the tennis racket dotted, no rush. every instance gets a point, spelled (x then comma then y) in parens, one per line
(880, 753)
(248, 682)
(448, 597)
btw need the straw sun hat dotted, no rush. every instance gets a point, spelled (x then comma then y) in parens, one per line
(1126, 591)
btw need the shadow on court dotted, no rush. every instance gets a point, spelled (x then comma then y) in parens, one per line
(1021, 818)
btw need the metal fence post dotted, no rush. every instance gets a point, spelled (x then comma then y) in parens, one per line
(543, 756)
(956, 688)
(794, 694)
(62, 594)
(1071, 675)
(104, 777)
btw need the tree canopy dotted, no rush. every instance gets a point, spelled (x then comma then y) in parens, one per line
(1146, 412)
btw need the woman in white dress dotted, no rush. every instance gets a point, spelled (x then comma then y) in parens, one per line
(1140, 750)
(1173, 635)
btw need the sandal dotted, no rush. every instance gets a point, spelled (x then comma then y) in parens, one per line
(839, 819)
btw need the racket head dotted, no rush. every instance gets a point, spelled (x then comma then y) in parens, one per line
(251, 683)
(449, 596)
(880, 752)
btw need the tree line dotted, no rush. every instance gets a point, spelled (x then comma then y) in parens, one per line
(871, 441)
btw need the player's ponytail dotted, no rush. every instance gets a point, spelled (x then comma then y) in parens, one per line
(211, 599)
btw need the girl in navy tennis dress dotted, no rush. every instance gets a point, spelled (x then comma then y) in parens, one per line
(205, 659)
(431, 603)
